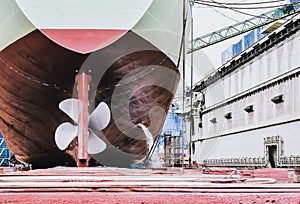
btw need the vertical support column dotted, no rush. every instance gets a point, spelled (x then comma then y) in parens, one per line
(83, 81)
(183, 81)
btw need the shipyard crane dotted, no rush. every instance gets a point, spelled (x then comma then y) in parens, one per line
(243, 27)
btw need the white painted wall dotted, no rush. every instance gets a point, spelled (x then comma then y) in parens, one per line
(249, 144)
(280, 61)
(265, 111)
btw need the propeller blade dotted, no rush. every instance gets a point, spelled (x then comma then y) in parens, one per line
(64, 135)
(100, 117)
(70, 107)
(95, 144)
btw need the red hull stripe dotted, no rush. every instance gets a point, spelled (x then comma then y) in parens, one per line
(83, 40)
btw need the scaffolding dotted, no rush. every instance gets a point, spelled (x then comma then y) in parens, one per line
(173, 150)
(4, 152)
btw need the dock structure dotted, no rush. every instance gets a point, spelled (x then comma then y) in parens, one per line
(164, 185)
(251, 114)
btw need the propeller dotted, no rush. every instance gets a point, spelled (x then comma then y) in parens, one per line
(98, 120)
(64, 135)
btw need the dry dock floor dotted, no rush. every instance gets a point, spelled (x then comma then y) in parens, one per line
(165, 185)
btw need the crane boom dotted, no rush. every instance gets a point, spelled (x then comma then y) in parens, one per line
(244, 26)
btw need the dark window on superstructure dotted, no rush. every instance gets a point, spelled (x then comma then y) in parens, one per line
(213, 120)
(277, 99)
(228, 115)
(249, 109)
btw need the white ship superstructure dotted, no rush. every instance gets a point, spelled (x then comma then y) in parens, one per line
(251, 115)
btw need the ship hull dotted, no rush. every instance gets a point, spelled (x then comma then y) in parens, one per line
(135, 76)
(29, 105)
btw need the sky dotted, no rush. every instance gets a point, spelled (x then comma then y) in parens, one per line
(208, 19)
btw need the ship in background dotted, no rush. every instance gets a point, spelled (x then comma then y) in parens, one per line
(248, 111)
(132, 50)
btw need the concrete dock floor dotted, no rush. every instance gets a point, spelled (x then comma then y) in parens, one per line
(165, 185)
